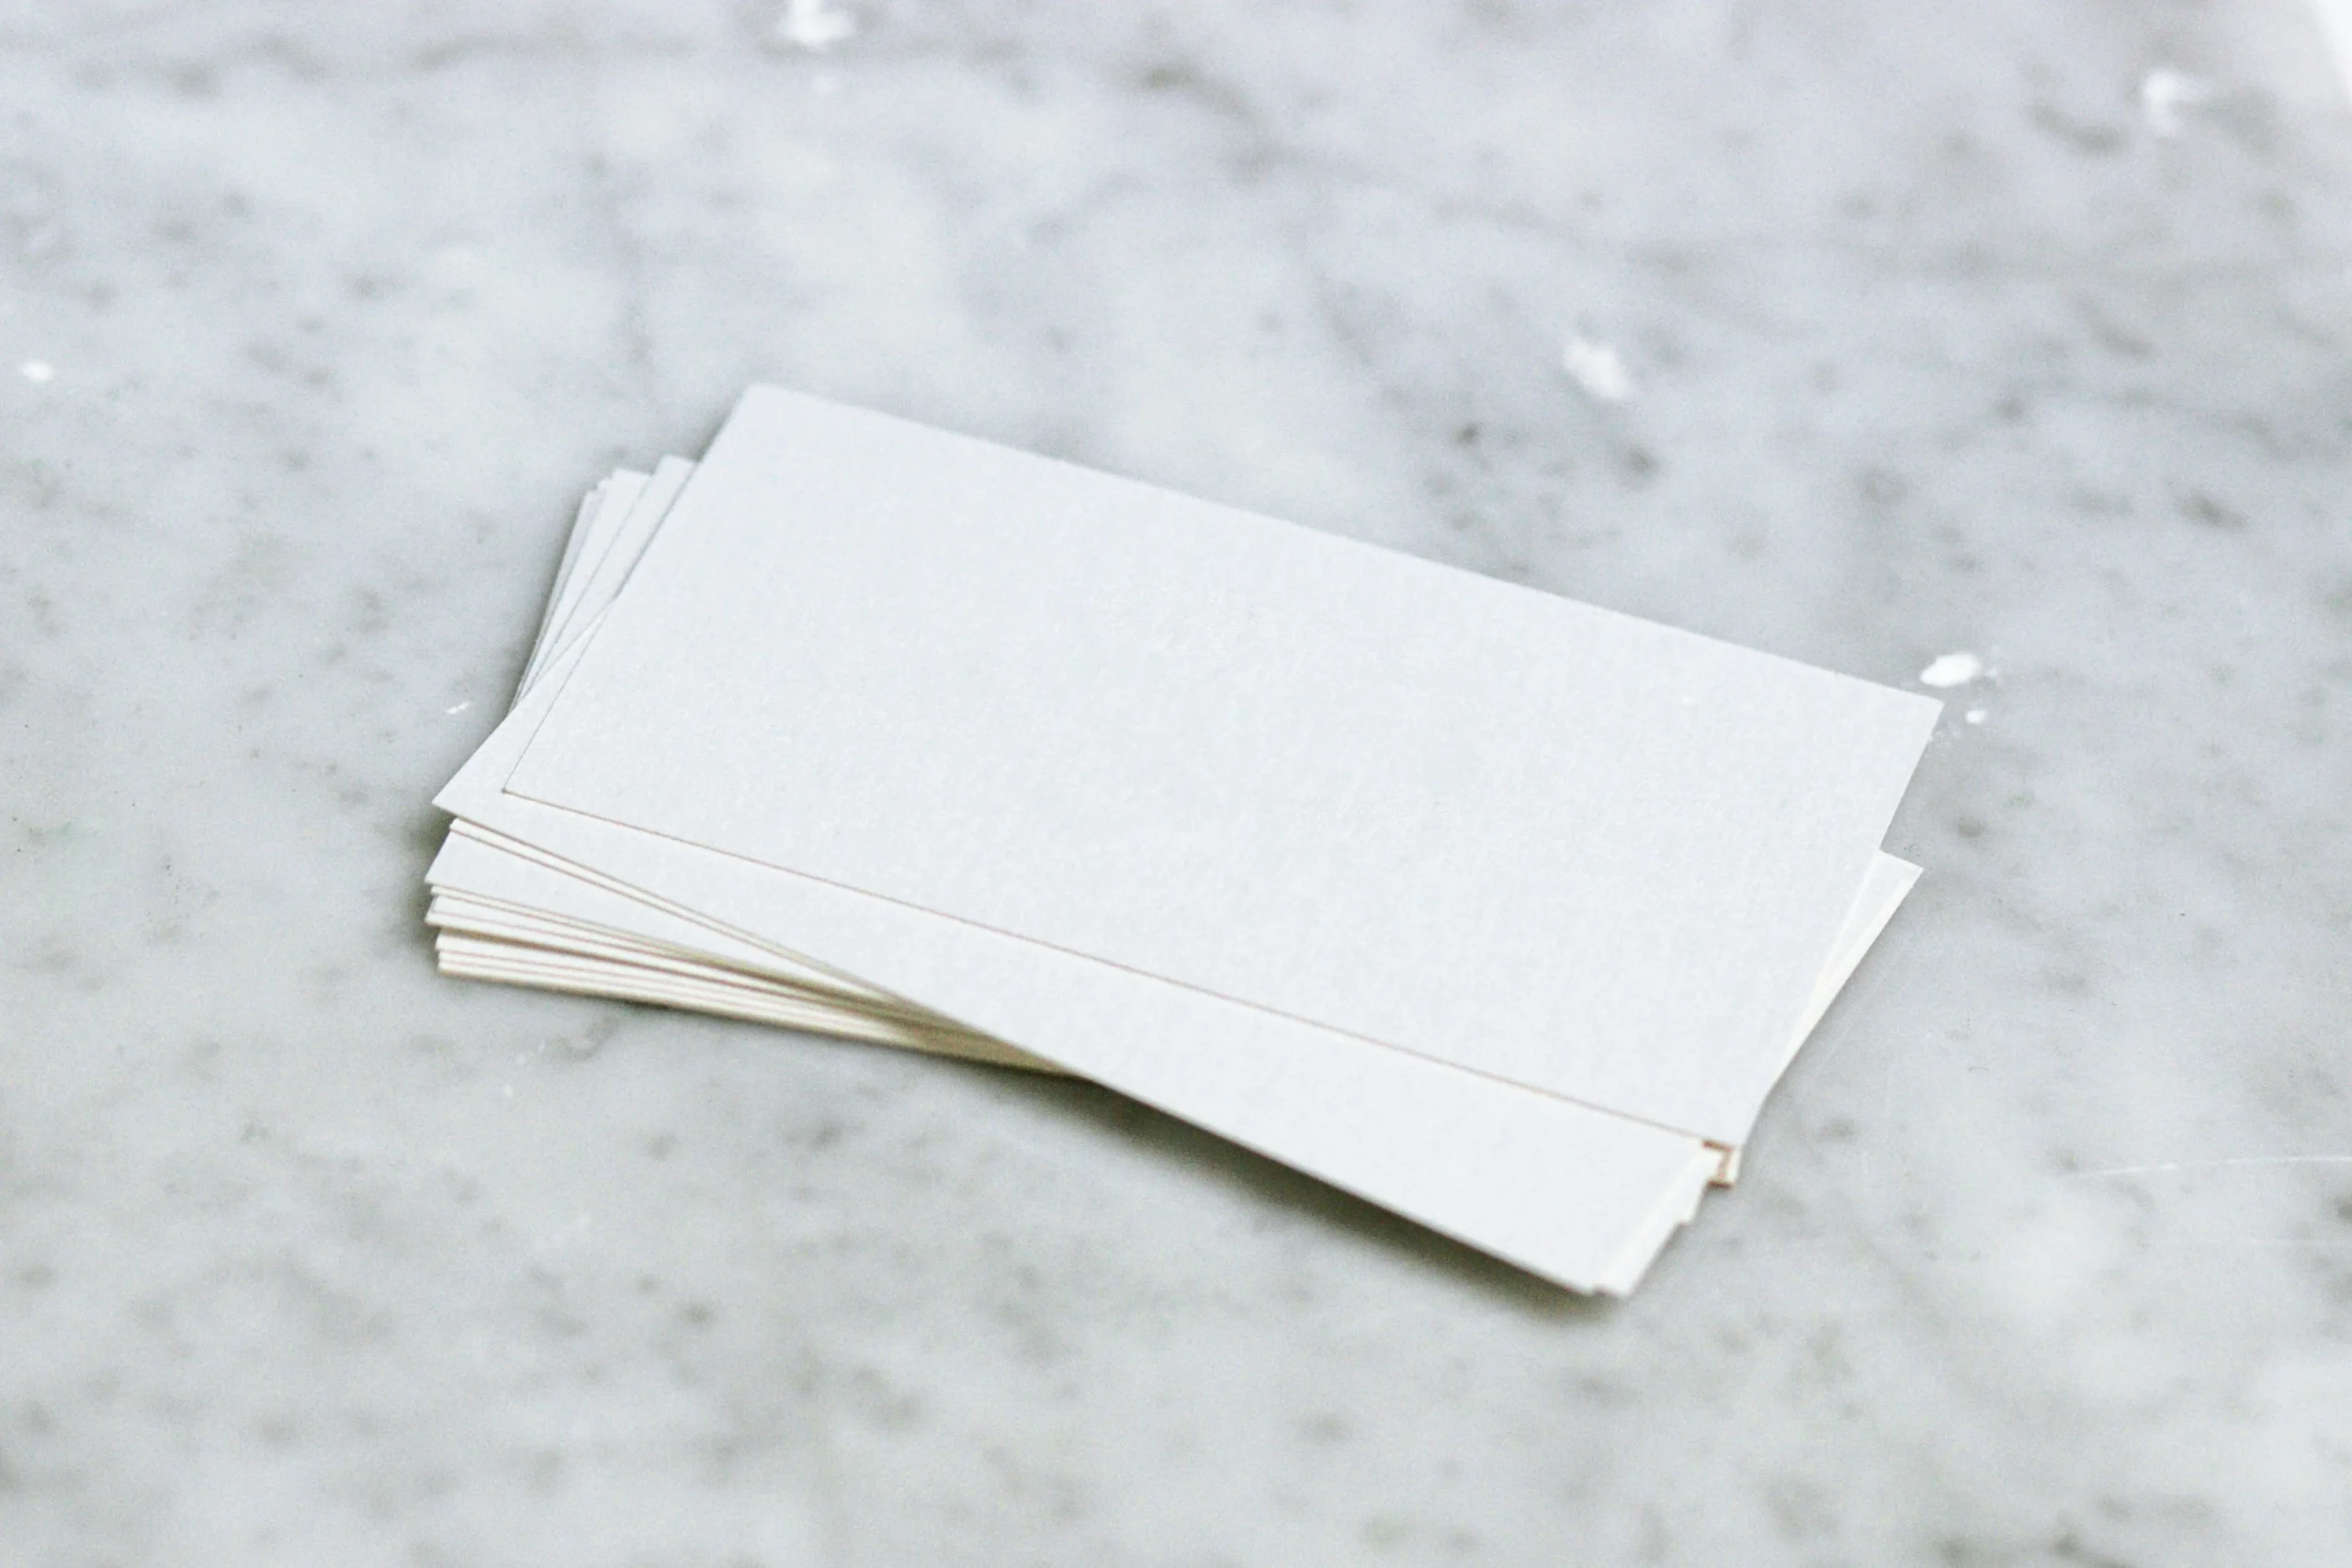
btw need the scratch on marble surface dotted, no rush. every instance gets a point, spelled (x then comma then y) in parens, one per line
(2292, 1241)
(2163, 1166)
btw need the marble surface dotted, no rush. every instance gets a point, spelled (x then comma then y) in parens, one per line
(2020, 331)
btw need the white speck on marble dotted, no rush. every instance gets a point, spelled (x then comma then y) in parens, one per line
(39, 372)
(813, 24)
(460, 707)
(1598, 369)
(1952, 670)
(1974, 716)
(2165, 92)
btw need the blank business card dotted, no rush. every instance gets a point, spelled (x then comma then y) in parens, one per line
(1492, 827)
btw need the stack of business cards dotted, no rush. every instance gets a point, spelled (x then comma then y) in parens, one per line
(1502, 911)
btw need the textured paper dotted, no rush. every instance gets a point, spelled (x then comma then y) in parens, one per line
(599, 521)
(1631, 1205)
(513, 897)
(618, 550)
(1585, 853)
(526, 890)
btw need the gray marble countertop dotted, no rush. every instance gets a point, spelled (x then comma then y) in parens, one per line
(2018, 329)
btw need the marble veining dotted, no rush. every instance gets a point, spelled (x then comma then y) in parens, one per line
(1863, 336)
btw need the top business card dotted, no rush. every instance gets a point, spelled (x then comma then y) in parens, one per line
(1580, 853)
